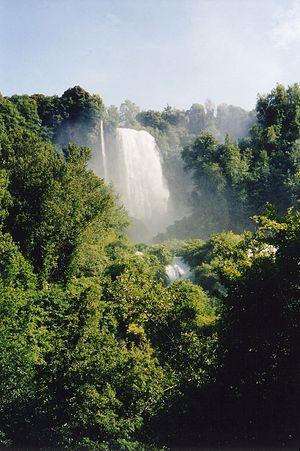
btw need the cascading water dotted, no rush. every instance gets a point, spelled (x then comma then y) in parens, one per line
(103, 152)
(133, 165)
(142, 187)
(177, 270)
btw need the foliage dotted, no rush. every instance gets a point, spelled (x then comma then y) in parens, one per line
(217, 262)
(233, 181)
(256, 280)
(92, 340)
(96, 350)
(128, 113)
(259, 333)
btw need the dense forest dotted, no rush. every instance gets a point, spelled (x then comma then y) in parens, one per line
(98, 350)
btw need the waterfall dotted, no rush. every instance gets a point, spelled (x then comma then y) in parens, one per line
(177, 270)
(142, 185)
(103, 152)
(131, 162)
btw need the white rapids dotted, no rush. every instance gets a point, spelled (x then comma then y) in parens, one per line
(177, 270)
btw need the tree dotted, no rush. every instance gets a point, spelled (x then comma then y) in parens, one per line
(152, 119)
(128, 113)
(259, 339)
(274, 140)
(196, 115)
(220, 174)
(174, 116)
(234, 121)
(112, 119)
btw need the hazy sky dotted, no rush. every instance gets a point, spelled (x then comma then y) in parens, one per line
(153, 52)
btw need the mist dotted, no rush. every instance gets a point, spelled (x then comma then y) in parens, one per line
(140, 154)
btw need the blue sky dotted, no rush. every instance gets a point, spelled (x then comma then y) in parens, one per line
(153, 52)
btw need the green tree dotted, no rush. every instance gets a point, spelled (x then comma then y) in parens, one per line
(196, 115)
(128, 113)
(259, 361)
(274, 142)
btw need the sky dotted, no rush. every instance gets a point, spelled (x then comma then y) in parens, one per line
(153, 52)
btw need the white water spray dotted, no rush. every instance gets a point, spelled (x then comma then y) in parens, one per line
(177, 270)
(142, 185)
(103, 152)
(133, 165)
